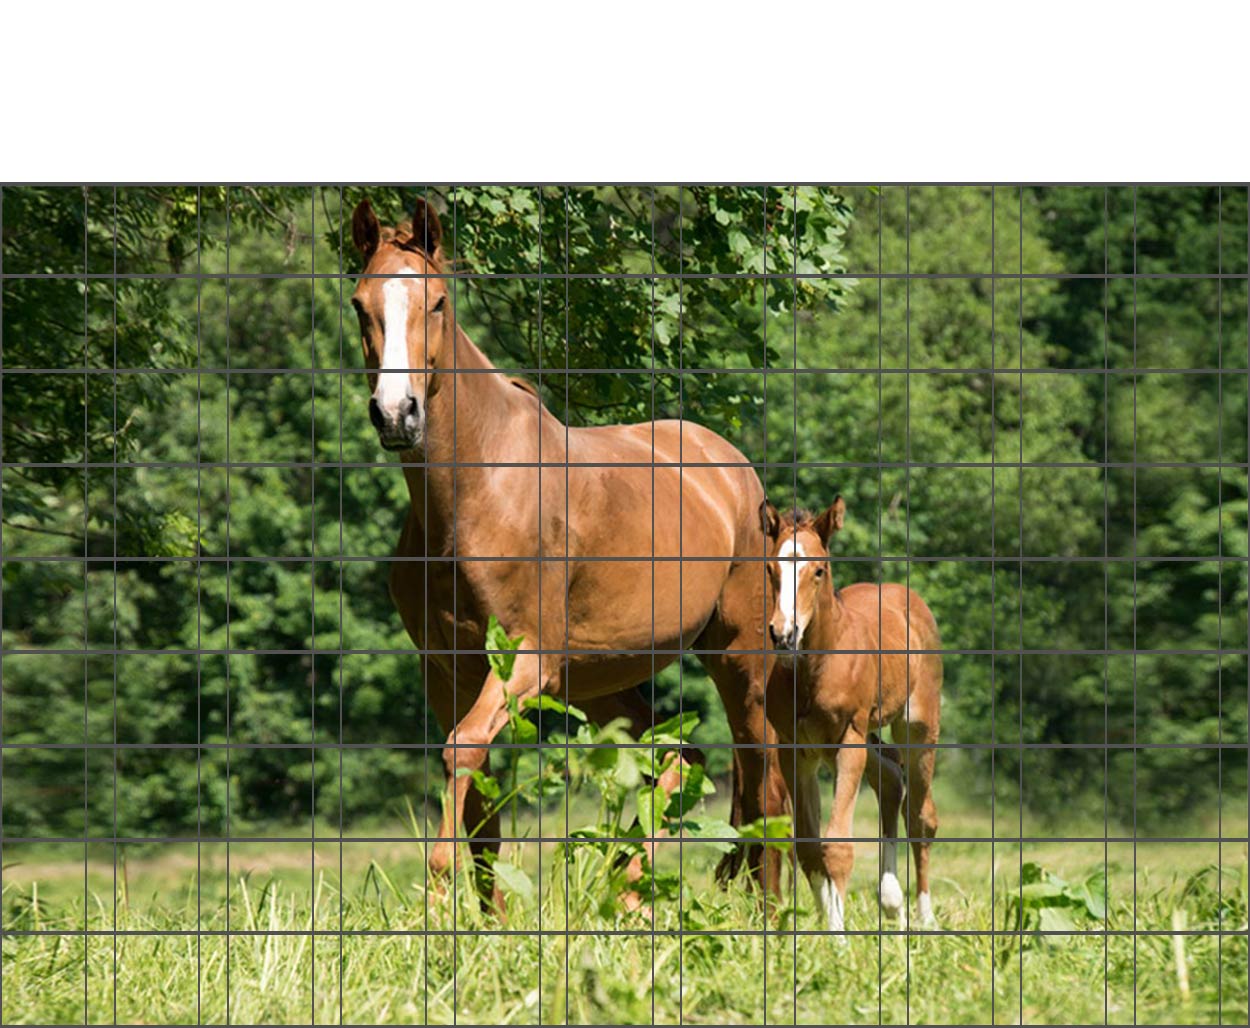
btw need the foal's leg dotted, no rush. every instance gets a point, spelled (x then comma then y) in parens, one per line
(466, 750)
(838, 851)
(800, 772)
(885, 775)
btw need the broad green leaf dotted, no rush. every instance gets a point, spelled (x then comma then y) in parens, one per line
(485, 784)
(711, 828)
(692, 790)
(651, 803)
(545, 702)
(1055, 919)
(513, 880)
(503, 659)
(672, 731)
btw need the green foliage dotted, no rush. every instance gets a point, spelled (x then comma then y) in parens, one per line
(503, 647)
(466, 969)
(1045, 904)
(642, 325)
(195, 545)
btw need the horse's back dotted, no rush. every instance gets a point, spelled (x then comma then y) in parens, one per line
(676, 472)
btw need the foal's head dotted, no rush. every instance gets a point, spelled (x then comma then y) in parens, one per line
(798, 568)
(406, 324)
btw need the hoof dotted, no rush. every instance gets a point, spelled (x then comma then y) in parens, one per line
(729, 866)
(441, 860)
(891, 895)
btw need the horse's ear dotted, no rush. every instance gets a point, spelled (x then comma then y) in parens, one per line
(770, 520)
(830, 521)
(427, 231)
(365, 229)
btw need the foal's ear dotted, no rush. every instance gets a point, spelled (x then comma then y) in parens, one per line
(427, 231)
(365, 229)
(770, 520)
(830, 521)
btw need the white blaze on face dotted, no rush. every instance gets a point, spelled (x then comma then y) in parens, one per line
(393, 381)
(789, 559)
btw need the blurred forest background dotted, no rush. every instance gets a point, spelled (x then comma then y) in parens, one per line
(221, 349)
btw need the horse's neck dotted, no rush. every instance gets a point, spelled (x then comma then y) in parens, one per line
(473, 421)
(832, 633)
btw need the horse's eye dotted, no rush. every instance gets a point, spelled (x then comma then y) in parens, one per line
(820, 572)
(438, 307)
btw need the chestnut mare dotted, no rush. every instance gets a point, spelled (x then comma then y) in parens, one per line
(848, 669)
(628, 544)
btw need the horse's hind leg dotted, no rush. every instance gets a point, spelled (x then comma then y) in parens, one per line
(739, 661)
(922, 819)
(759, 787)
(885, 775)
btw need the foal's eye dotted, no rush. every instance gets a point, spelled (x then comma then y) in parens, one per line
(820, 572)
(438, 307)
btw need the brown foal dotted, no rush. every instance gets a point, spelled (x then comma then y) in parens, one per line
(853, 660)
(607, 550)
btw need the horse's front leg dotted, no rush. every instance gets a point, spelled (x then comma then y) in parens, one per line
(467, 749)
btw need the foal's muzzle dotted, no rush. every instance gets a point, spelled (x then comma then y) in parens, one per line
(787, 640)
(400, 428)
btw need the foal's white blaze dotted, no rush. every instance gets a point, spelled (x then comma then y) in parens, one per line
(890, 893)
(788, 558)
(393, 388)
(830, 900)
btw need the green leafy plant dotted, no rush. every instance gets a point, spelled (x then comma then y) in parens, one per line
(1047, 904)
(633, 804)
(501, 649)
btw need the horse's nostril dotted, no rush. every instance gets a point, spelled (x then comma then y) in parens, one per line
(411, 412)
(375, 414)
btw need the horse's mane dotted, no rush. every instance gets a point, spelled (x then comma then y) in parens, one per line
(400, 235)
(524, 386)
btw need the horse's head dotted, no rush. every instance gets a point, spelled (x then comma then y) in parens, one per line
(406, 321)
(798, 568)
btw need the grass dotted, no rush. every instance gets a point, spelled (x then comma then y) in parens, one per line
(276, 969)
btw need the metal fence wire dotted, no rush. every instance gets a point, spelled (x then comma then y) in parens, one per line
(226, 763)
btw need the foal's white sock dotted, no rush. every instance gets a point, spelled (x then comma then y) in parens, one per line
(890, 892)
(830, 900)
(924, 911)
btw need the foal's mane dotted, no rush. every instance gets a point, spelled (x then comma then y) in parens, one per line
(797, 519)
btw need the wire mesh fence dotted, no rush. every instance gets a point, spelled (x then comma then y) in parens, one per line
(411, 613)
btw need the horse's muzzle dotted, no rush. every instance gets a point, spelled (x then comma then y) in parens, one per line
(401, 429)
